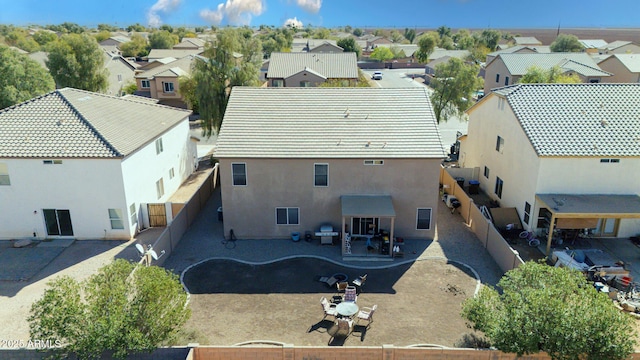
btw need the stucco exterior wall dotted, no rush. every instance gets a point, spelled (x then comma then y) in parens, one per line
(85, 187)
(294, 80)
(250, 210)
(620, 72)
(494, 68)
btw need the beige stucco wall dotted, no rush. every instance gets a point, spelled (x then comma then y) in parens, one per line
(620, 72)
(326, 48)
(495, 67)
(294, 80)
(250, 210)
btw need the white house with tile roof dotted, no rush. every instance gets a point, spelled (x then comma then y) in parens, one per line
(624, 67)
(356, 158)
(304, 69)
(569, 153)
(82, 165)
(507, 69)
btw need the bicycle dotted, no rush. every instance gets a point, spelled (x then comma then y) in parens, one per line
(530, 237)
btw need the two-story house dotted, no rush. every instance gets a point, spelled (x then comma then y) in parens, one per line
(566, 155)
(360, 159)
(306, 69)
(507, 69)
(77, 164)
(162, 81)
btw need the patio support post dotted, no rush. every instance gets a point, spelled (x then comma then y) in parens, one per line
(550, 235)
(393, 220)
(344, 236)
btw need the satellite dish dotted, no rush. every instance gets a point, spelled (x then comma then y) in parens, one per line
(154, 255)
(140, 249)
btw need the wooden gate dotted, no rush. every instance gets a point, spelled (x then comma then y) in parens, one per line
(157, 215)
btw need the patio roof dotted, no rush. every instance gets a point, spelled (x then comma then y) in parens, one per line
(367, 206)
(589, 206)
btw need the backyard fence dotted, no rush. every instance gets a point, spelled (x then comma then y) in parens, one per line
(504, 255)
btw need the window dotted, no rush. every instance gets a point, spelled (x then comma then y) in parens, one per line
(527, 212)
(159, 147)
(4, 175)
(498, 189)
(58, 222)
(115, 217)
(305, 83)
(160, 188)
(594, 81)
(278, 83)
(287, 216)
(52, 162)
(497, 78)
(145, 84)
(171, 173)
(239, 174)
(506, 80)
(486, 172)
(374, 162)
(609, 160)
(134, 214)
(119, 77)
(499, 144)
(423, 219)
(321, 175)
(168, 87)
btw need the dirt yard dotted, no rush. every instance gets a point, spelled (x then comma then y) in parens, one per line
(417, 303)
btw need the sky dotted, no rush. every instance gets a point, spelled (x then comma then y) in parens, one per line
(471, 14)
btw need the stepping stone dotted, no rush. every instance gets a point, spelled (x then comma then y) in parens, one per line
(22, 243)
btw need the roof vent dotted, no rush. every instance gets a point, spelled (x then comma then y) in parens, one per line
(346, 113)
(368, 143)
(604, 122)
(339, 141)
(384, 145)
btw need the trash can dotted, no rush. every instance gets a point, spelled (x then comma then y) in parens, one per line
(460, 181)
(474, 186)
(295, 236)
(220, 213)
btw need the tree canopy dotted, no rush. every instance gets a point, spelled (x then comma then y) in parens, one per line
(77, 61)
(410, 34)
(550, 309)
(138, 46)
(22, 78)
(162, 39)
(232, 60)
(123, 308)
(426, 44)
(536, 74)
(349, 45)
(381, 53)
(453, 87)
(566, 43)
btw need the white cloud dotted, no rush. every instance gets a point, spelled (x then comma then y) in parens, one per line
(312, 6)
(161, 6)
(237, 12)
(293, 23)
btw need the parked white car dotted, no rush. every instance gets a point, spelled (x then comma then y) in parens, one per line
(377, 75)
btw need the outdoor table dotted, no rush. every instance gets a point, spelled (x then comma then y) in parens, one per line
(347, 308)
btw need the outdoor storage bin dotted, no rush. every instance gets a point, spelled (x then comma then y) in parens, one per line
(460, 181)
(474, 186)
(220, 213)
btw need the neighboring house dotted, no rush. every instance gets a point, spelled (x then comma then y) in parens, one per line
(507, 69)
(409, 49)
(41, 57)
(591, 46)
(430, 68)
(624, 67)
(121, 72)
(162, 82)
(562, 154)
(326, 47)
(518, 49)
(620, 47)
(440, 52)
(190, 43)
(526, 40)
(311, 69)
(113, 43)
(376, 41)
(77, 164)
(360, 159)
(305, 45)
(156, 54)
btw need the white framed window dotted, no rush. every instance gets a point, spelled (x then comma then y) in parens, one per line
(167, 87)
(374, 162)
(115, 217)
(527, 213)
(134, 214)
(498, 188)
(287, 216)
(239, 174)
(171, 173)
(497, 78)
(145, 84)
(159, 146)
(321, 174)
(423, 219)
(486, 172)
(278, 83)
(608, 161)
(4, 174)
(52, 162)
(506, 80)
(499, 144)
(160, 188)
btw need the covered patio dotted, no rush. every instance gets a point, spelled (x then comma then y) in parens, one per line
(368, 223)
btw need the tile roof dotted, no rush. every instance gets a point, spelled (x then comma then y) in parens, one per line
(582, 63)
(578, 119)
(614, 45)
(316, 122)
(526, 40)
(331, 65)
(592, 43)
(300, 45)
(178, 67)
(175, 53)
(70, 123)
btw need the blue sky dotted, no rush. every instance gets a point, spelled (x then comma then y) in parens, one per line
(329, 13)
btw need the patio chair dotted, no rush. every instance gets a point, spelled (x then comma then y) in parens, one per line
(360, 280)
(328, 308)
(341, 286)
(366, 313)
(350, 294)
(342, 328)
